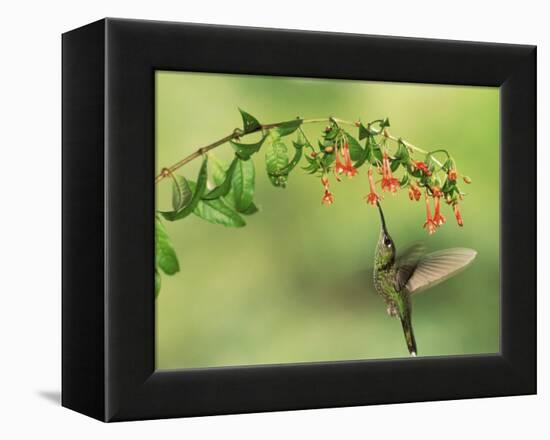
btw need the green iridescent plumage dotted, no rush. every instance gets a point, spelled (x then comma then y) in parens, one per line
(397, 278)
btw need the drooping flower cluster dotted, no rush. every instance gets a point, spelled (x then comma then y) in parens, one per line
(342, 154)
(438, 219)
(347, 167)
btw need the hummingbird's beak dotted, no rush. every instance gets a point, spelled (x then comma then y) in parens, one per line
(382, 217)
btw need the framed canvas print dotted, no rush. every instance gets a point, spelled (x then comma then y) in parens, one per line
(260, 220)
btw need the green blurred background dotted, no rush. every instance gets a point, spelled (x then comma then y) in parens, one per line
(293, 285)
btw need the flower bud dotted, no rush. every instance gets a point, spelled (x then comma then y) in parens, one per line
(329, 150)
(452, 174)
(467, 179)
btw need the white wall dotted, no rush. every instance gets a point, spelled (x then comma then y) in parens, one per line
(30, 216)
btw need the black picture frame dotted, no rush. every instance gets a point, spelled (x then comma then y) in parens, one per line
(108, 219)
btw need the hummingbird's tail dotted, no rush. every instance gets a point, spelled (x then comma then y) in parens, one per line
(409, 335)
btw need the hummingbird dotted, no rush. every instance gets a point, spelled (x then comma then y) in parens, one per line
(396, 279)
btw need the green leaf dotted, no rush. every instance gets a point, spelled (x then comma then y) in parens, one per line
(449, 186)
(313, 165)
(363, 132)
(374, 152)
(325, 143)
(286, 128)
(250, 123)
(402, 154)
(157, 283)
(449, 164)
(293, 162)
(216, 170)
(382, 123)
(356, 152)
(362, 160)
(222, 189)
(252, 209)
(242, 184)
(368, 147)
(165, 255)
(298, 149)
(276, 160)
(244, 151)
(330, 135)
(181, 193)
(394, 164)
(198, 192)
(327, 159)
(218, 212)
(430, 162)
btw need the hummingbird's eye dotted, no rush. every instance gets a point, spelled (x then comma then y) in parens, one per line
(387, 242)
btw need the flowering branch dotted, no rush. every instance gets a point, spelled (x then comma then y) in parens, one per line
(238, 133)
(337, 154)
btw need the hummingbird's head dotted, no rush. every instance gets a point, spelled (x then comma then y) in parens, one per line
(386, 247)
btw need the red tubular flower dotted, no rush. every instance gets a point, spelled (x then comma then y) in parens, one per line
(328, 198)
(422, 166)
(372, 197)
(349, 168)
(429, 225)
(414, 192)
(458, 216)
(339, 168)
(389, 183)
(438, 217)
(452, 174)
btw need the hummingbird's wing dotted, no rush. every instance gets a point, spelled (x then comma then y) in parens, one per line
(437, 267)
(406, 264)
